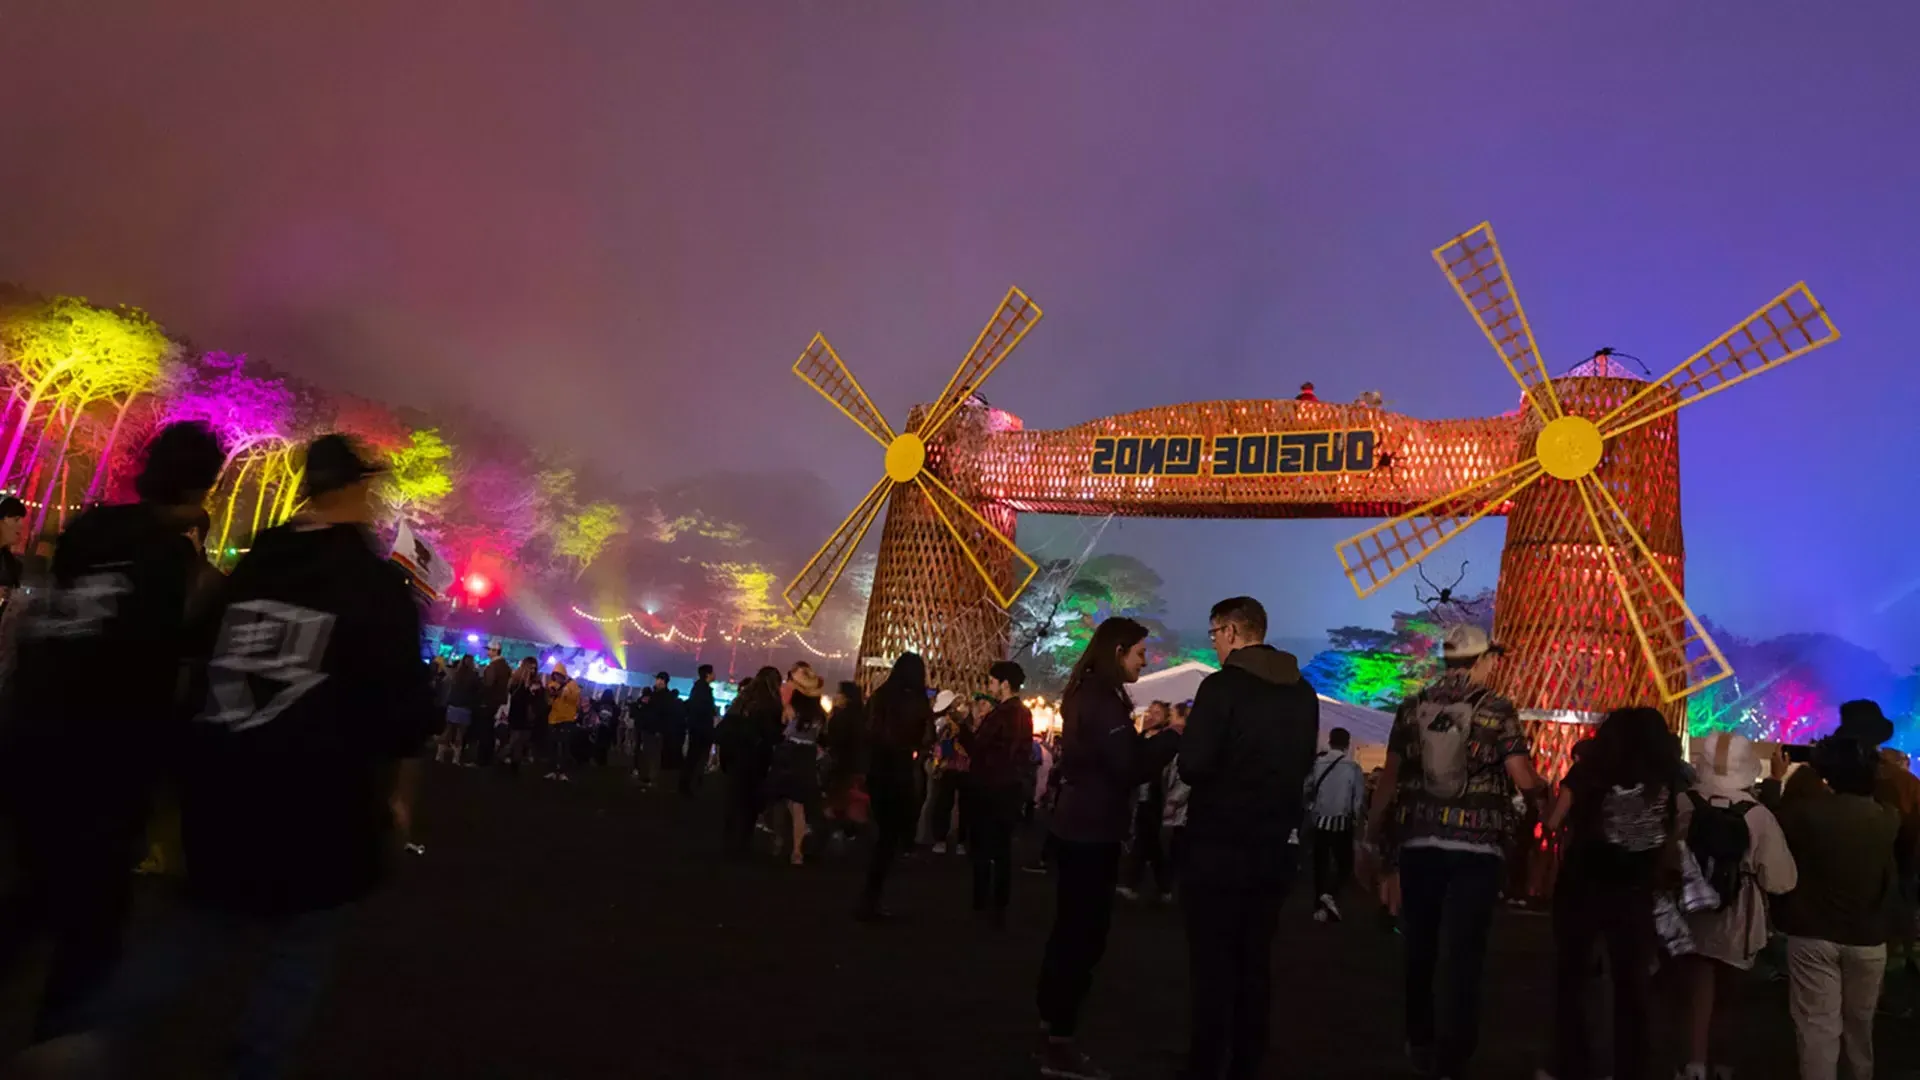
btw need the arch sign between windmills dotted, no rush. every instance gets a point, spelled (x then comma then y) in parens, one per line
(1589, 601)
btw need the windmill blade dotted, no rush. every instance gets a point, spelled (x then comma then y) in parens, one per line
(820, 368)
(1016, 316)
(1790, 325)
(1390, 549)
(1473, 263)
(951, 507)
(1677, 649)
(809, 588)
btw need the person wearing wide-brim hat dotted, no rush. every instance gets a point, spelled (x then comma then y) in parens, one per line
(1728, 938)
(795, 779)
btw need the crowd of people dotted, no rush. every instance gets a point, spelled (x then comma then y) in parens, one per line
(282, 711)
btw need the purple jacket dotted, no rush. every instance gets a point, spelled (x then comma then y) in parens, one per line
(1102, 759)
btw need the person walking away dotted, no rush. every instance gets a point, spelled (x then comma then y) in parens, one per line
(673, 727)
(463, 699)
(997, 750)
(700, 714)
(899, 726)
(1617, 808)
(650, 724)
(1843, 844)
(795, 780)
(493, 698)
(1148, 853)
(845, 747)
(78, 795)
(1248, 746)
(296, 777)
(747, 738)
(563, 716)
(1455, 758)
(1336, 799)
(1102, 760)
(522, 688)
(1743, 854)
(606, 725)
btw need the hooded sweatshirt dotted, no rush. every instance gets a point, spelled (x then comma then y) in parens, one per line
(1248, 747)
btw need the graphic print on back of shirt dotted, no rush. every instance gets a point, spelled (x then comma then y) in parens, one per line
(80, 610)
(267, 656)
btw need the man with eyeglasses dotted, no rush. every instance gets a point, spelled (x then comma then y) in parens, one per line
(1250, 739)
(1436, 831)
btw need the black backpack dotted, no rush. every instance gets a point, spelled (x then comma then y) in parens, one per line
(1719, 840)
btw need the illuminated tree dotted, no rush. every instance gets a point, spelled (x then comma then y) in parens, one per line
(419, 479)
(581, 536)
(65, 354)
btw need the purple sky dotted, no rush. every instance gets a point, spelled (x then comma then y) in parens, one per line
(615, 230)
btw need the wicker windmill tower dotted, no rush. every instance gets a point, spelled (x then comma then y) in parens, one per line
(1590, 600)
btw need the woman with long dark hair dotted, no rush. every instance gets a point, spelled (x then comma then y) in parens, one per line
(1617, 805)
(1102, 760)
(899, 726)
(746, 738)
(522, 688)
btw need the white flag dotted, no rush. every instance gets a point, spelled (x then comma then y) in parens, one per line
(429, 570)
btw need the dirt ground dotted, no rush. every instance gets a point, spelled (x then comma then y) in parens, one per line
(587, 930)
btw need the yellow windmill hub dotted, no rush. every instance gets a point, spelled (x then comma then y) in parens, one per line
(1569, 448)
(906, 456)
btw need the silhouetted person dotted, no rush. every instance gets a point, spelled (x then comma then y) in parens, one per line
(296, 776)
(700, 711)
(1246, 753)
(79, 792)
(899, 726)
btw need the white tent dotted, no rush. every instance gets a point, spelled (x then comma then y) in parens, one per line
(1173, 685)
(1369, 727)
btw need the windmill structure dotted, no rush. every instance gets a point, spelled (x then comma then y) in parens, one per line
(1594, 558)
(1590, 600)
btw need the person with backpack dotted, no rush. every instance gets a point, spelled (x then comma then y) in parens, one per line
(1742, 853)
(1616, 810)
(1437, 828)
(1336, 797)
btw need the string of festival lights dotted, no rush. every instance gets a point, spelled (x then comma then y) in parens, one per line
(673, 633)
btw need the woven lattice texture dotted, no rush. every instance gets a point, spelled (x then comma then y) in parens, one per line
(1415, 461)
(1558, 609)
(927, 596)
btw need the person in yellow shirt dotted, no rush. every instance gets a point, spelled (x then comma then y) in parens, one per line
(563, 717)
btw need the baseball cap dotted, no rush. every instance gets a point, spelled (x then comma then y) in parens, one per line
(1468, 642)
(335, 461)
(943, 701)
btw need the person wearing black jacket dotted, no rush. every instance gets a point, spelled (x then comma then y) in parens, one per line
(79, 794)
(494, 690)
(700, 712)
(899, 726)
(1102, 760)
(296, 776)
(747, 737)
(1249, 744)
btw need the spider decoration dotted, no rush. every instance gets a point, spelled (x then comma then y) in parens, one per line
(1440, 598)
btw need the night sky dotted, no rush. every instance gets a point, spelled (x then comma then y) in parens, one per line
(614, 225)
